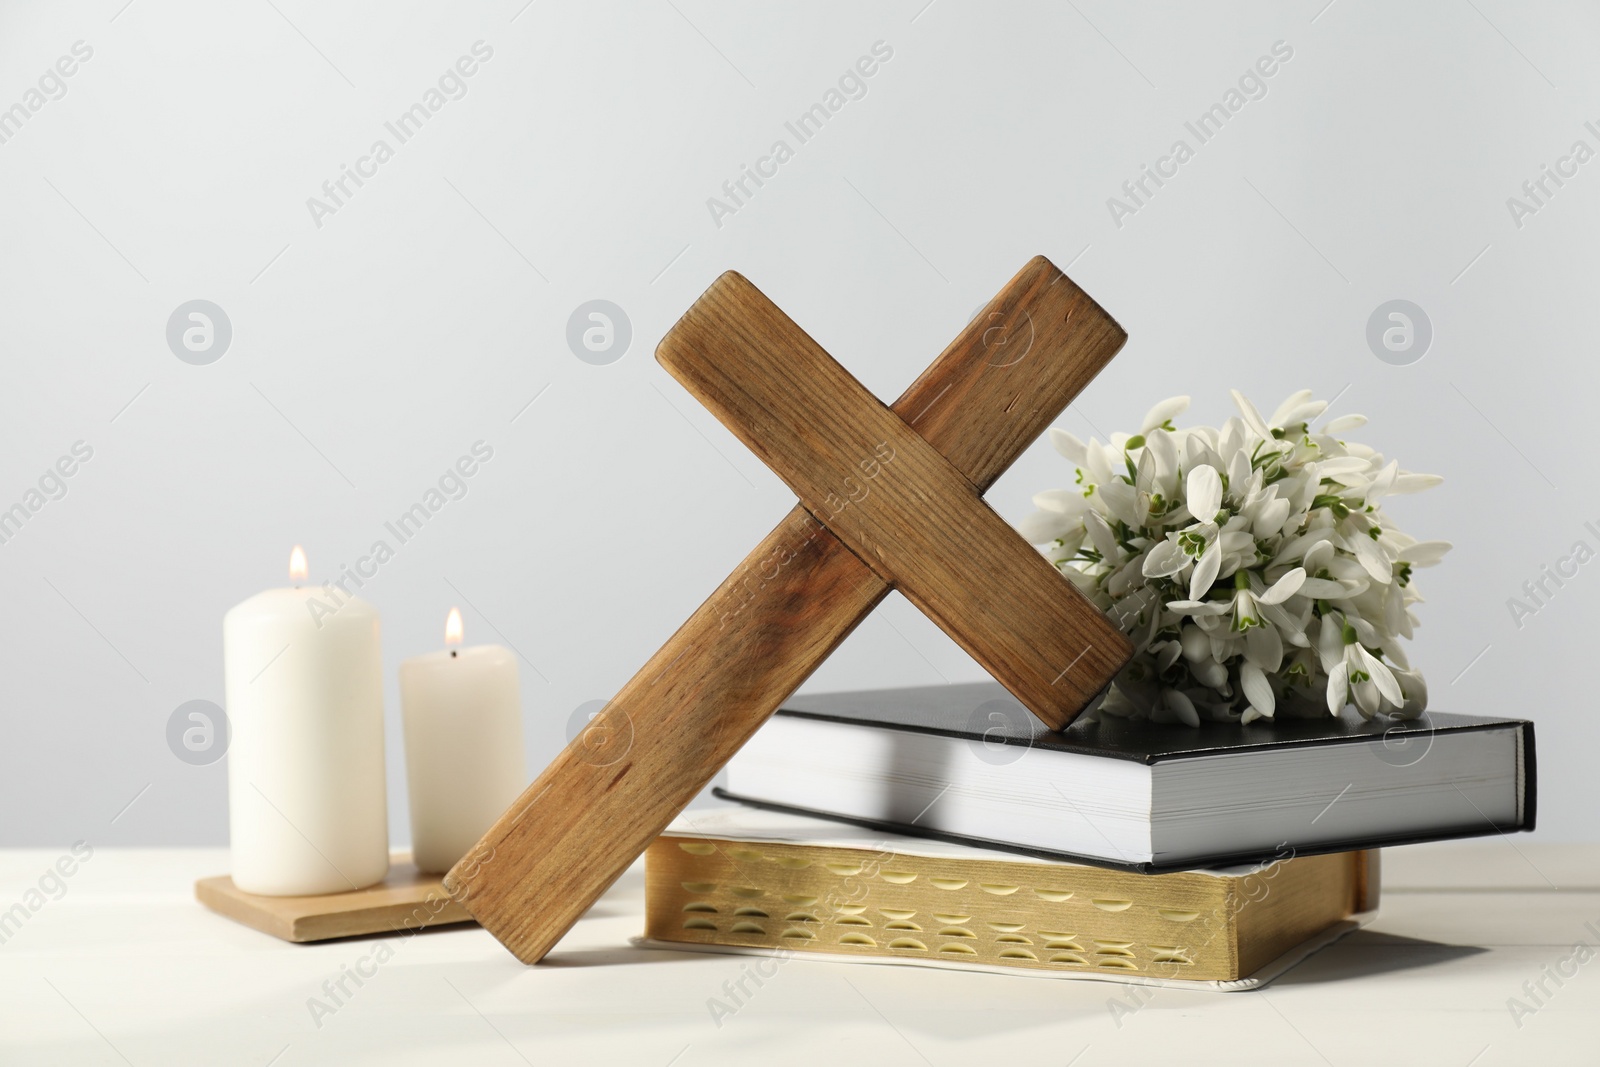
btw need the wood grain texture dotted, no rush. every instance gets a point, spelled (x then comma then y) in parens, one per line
(670, 729)
(765, 629)
(405, 900)
(894, 499)
(1011, 372)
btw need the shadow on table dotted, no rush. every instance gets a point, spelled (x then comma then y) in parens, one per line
(607, 957)
(1364, 954)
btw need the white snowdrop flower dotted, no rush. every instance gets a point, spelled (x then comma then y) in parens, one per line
(1424, 553)
(1044, 526)
(1205, 571)
(1406, 482)
(1068, 445)
(1163, 413)
(1344, 424)
(1252, 417)
(1204, 492)
(1251, 564)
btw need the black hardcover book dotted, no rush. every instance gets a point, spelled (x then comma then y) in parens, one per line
(969, 763)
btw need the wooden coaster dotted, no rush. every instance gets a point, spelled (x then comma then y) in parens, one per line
(406, 900)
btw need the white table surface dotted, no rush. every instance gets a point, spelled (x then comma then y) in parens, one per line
(126, 968)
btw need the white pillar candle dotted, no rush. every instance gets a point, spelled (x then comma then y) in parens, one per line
(303, 677)
(464, 761)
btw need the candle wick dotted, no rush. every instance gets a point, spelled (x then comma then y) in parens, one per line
(452, 653)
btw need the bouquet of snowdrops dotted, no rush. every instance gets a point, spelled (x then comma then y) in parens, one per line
(1252, 566)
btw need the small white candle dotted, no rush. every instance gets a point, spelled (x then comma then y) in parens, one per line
(307, 810)
(464, 759)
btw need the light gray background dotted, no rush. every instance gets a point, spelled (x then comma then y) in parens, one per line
(429, 311)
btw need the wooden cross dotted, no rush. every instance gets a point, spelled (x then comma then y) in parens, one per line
(889, 499)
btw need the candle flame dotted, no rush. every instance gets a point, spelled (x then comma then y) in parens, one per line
(452, 627)
(297, 564)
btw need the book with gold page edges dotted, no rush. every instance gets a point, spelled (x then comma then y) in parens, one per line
(746, 880)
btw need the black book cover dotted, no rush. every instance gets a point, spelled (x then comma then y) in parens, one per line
(987, 712)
